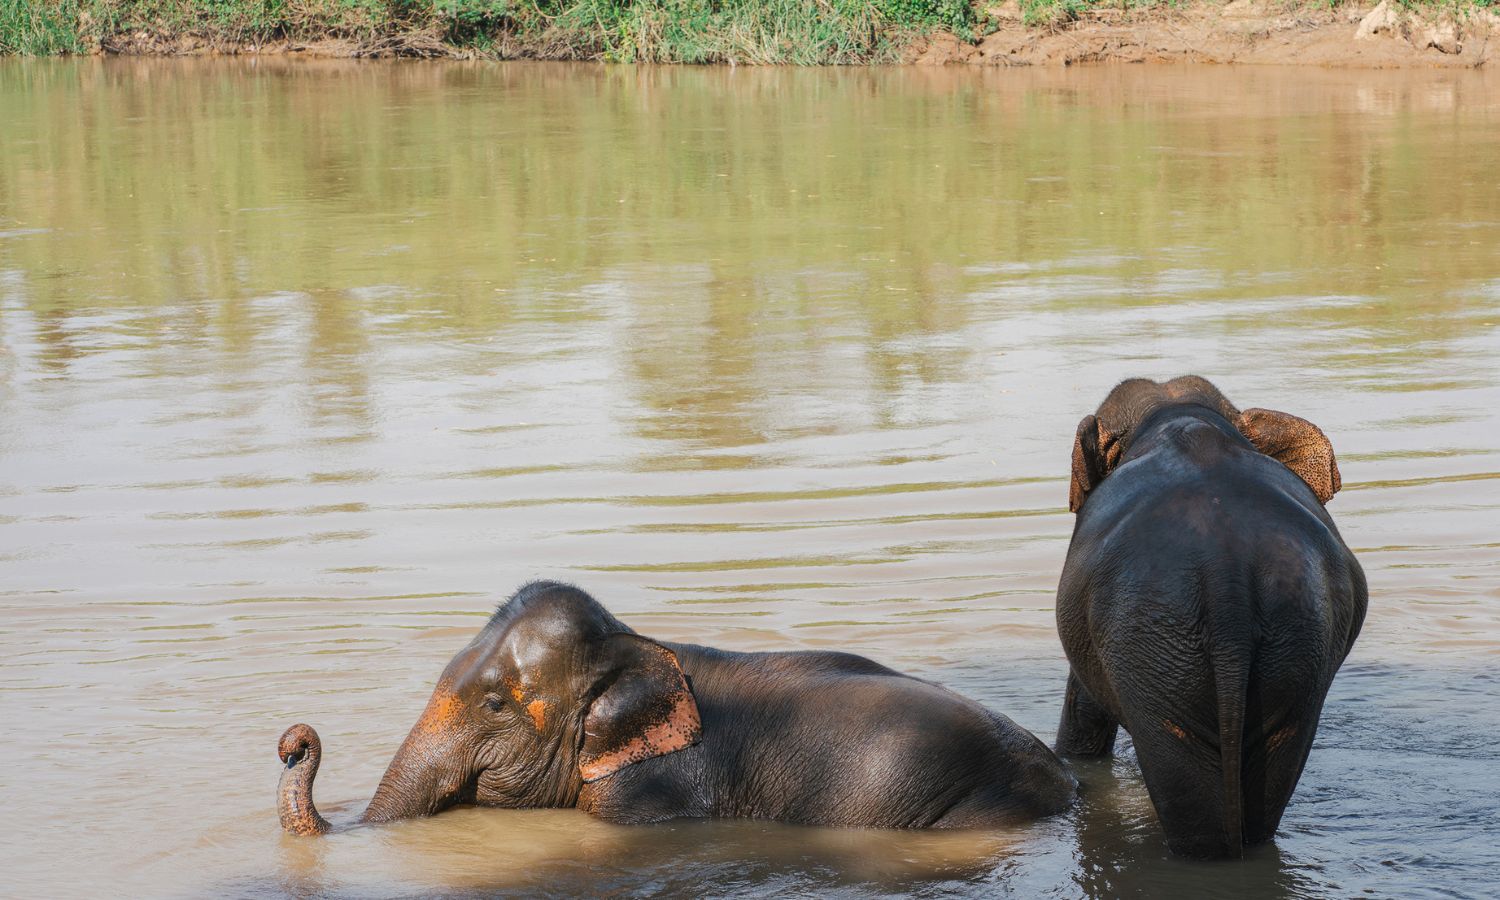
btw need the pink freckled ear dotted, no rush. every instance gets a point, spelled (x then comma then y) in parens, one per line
(647, 710)
(1297, 444)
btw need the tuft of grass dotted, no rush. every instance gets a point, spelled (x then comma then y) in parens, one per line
(1053, 12)
(1060, 12)
(801, 32)
(40, 27)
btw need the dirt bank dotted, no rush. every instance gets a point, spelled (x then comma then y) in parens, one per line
(1244, 31)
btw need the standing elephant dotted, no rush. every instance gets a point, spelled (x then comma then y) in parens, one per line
(1206, 603)
(558, 704)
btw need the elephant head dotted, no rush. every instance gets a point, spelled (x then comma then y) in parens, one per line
(552, 694)
(1104, 438)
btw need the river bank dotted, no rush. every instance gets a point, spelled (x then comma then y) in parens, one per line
(1245, 31)
(770, 32)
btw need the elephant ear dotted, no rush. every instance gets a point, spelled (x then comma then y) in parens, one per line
(645, 708)
(1297, 444)
(1088, 468)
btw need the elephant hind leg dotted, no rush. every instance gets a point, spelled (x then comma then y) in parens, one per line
(1086, 728)
(1184, 776)
(1173, 720)
(1273, 764)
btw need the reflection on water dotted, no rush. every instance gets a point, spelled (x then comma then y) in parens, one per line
(304, 366)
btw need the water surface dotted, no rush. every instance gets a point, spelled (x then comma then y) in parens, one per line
(304, 366)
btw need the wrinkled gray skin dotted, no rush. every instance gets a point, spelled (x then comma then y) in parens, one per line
(558, 704)
(1206, 603)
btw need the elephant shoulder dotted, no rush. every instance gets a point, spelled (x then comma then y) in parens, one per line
(1114, 510)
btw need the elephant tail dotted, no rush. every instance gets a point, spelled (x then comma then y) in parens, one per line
(1231, 680)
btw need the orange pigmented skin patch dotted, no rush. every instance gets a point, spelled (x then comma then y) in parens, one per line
(537, 709)
(1274, 742)
(513, 684)
(442, 713)
(1176, 731)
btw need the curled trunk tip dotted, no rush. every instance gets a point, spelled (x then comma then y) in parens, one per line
(300, 752)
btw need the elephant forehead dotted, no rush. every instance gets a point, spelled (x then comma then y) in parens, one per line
(527, 690)
(534, 662)
(442, 713)
(515, 687)
(473, 663)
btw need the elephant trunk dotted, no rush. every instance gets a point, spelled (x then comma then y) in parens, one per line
(430, 772)
(301, 752)
(418, 782)
(396, 799)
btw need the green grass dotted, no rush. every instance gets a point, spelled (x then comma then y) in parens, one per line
(698, 31)
(1057, 12)
(679, 31)
(43, 28)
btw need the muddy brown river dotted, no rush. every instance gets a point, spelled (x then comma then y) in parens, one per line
(304, 366)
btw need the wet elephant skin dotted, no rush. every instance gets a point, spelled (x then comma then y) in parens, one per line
(558, 704)
(1206, 603)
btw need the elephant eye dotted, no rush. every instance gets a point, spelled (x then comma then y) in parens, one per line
(494, 702)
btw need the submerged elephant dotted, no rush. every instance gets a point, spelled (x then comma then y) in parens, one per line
(1206, 603)
(558, 704)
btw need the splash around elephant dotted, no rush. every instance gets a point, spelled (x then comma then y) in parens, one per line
(1206, 603)
(558, 704)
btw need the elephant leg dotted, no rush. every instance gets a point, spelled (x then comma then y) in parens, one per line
(1273, 765)
(1173, 722)
(1184, 778)
(1086, 729)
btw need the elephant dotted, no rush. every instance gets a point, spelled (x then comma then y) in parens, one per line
(556, 703)
(1206, 602)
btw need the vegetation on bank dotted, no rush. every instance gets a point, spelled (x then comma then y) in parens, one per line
(689, 31)
(806, 32)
